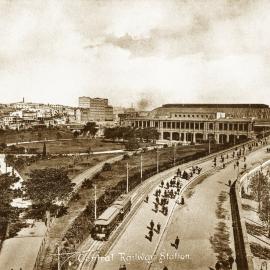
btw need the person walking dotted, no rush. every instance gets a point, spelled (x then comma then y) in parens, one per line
(152, 224)
(158, 227)
(176, 242)
(150, 235)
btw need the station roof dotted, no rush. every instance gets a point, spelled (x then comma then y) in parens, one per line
(219, 105)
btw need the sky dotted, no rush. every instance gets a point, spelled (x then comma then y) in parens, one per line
(148, 52)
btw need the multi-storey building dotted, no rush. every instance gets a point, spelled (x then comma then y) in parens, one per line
(84, 102)
(94, 109)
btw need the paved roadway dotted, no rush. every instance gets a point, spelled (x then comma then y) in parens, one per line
(203, 225)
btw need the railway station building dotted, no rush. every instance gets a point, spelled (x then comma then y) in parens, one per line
(195, 123)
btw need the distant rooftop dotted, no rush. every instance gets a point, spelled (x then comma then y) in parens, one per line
(211, 105)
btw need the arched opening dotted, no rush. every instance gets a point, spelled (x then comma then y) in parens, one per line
(182, 136)
(222, 138)
(199, 137)
(189, 137)
(242, 138)
(166, 135)
(175, 136)
(232, 138)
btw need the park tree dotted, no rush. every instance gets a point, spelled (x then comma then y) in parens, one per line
(149, 134)
(7, 212)
(58, 135)
(39, 135)
(265, 207)
(44, 150)
(9, 159)
(46, 186)
(132, 144)
(76, 134)
(90, 128)
(258, 185)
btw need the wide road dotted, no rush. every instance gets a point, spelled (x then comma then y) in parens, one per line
(203, 225)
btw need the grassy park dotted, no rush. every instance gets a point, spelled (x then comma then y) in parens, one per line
(73, 164)
(74, 146)
(13, 136)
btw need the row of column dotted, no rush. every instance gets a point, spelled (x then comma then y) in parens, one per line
(209, 126)
(191, 137)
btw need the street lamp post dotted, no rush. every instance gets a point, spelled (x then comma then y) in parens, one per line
(95, 198)
(174, 155)
(58, 258)
(127, 177)
(141, 167)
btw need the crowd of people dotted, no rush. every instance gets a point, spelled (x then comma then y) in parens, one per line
(170, 189)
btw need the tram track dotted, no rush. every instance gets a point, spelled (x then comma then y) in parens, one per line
(98, 248)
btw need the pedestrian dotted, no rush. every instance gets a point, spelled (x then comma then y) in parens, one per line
(229, 182)
(146, 198)
(176, 242)
(158, 227)
(166, 210)
(165, 268)
(150, 235)
(182, 200)
(152, 224)
(231, 261)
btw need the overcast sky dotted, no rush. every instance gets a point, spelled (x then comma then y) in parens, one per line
(160, 51)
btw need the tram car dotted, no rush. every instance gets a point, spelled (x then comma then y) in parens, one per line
(111, 217)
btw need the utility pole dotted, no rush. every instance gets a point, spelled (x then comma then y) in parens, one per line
(141, 167)
(58, 258)
(174, 155)
(127, 177)
(157, 162)
(95, 201)
(209, 145)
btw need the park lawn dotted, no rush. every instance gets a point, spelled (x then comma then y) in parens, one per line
(13, 136)
(74, 165)
(80, 145)
(109, 179)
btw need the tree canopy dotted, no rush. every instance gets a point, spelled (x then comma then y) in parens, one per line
(127, 133)
(90, 128)
(45, 186)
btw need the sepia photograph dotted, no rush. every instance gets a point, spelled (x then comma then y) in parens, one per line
(134, 134)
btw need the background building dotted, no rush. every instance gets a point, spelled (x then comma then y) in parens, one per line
(94, 109)
(84, 102)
